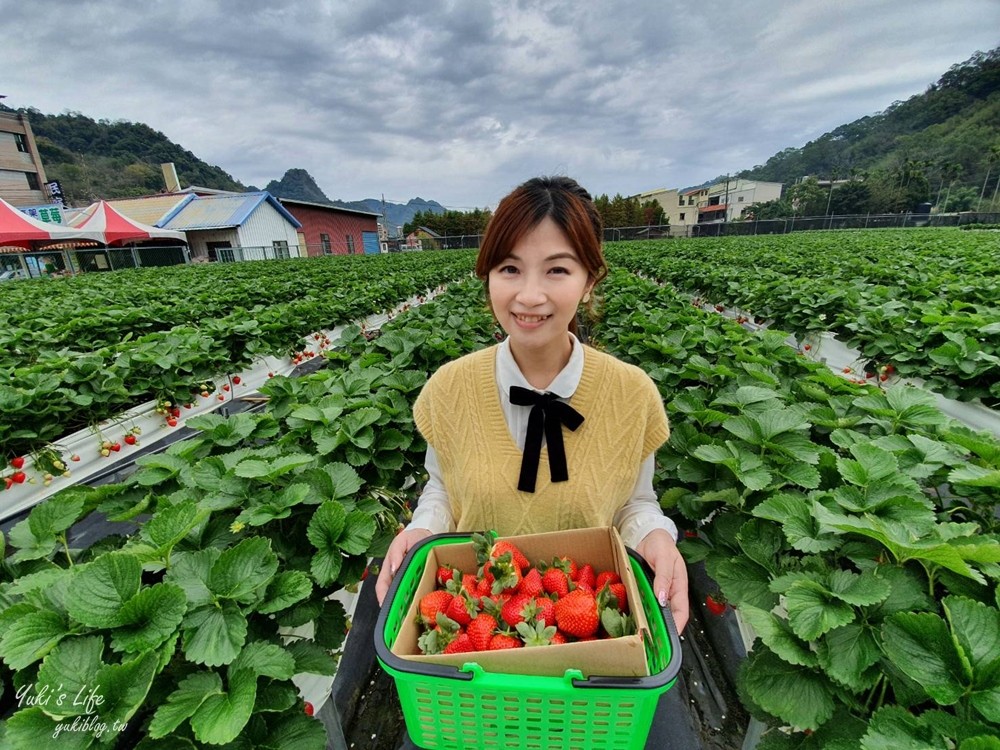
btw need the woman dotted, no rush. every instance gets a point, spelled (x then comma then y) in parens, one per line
(486, 415)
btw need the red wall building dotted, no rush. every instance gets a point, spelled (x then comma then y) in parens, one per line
(331, 230)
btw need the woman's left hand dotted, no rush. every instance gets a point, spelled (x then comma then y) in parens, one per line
(670, 579)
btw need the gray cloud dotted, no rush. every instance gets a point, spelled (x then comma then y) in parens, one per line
(459, 100)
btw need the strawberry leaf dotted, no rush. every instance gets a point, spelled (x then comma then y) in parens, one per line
(101, 588)
(213, 635)
(149, 618)
(797, 695)
(814, 610)
(182, 703)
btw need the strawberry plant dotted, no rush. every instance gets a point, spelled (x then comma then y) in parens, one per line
(855, 530)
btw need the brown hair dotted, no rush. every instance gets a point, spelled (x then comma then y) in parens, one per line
(559, 198)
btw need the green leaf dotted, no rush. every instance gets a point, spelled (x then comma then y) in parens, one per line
(171, 524)
(920, 646)
(241, 570)
(297, 732)
(872, 464)
(813, 610)
(69, 669)
(893, 728)
(778, 636)
(284, 590)
(30, 729)
(860, 590)
(124, 688)
(214, 635)
(191, 571)
(312, 658)
(847, 653)
(762, 541)
(345, 481)
(222, 716)
(797, 695)
(797, 522)
(265, 659)
(158, 468)
(181, 704)
(101, 588)
(976, 629)
(743, 582)
(150, 618)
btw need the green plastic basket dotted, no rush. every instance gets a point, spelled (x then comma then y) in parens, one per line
(457, 708)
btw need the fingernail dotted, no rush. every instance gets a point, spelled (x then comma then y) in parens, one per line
(392, 570)
(662, 597)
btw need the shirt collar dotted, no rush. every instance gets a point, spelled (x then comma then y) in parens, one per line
(565, 383)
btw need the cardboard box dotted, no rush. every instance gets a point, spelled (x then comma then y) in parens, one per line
(602, 548)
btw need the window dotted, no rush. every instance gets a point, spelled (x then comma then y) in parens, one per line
(33, 183)
(350, 244)
(740, 199)
(280, 249)
(22, 143)
(325, 241)
(682, 216)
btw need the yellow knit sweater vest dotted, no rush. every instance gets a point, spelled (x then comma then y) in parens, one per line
(459, 413)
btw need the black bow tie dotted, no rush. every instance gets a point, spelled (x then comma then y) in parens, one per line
(547, 416)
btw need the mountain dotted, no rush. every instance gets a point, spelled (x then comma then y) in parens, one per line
(94, 159)
(396, 214)
(298, 184)
(948, 135)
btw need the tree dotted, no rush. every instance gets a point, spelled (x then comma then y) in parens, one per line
(991, 157)
(807, 198)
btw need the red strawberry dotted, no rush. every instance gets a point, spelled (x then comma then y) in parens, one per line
(554, 582)
(586, 577)
(481, 630)
(8, 482)
(716, 605)
(18, 477)
(225, 387)
(469, 583)
(17, 462)
(172, 422)
(445, 574)
(116, 447)
(462, 644)
(576, 614)
(568, 565)
(237, 380)
(513, 609)
(531, 583)
(506, 573)
(485, 585)
(559, 638)
(607, 576)
(501, 641)
(431, 604)
(618, 589)
(487, 550)
(461, 609)
(130, 440)
(544, 610)
(309, 709)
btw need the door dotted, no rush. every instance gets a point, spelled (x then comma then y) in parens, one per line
(370, 242)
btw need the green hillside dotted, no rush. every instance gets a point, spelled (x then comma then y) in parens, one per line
(103, 159)
(941, 144)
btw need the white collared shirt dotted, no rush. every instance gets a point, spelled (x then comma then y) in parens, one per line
(640, 514)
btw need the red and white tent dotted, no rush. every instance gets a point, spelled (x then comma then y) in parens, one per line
(17, 229)
(114, 228)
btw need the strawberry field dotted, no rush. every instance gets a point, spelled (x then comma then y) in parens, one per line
(923, 301)
(852, 526)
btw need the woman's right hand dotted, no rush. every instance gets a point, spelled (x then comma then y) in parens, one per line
(394, 558)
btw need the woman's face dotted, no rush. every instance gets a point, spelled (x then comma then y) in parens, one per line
(535, 291)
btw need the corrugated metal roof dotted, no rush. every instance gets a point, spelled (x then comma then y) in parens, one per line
(148, 210)
(221, 211)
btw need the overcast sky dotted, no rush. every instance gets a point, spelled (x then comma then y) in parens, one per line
(460, 100)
